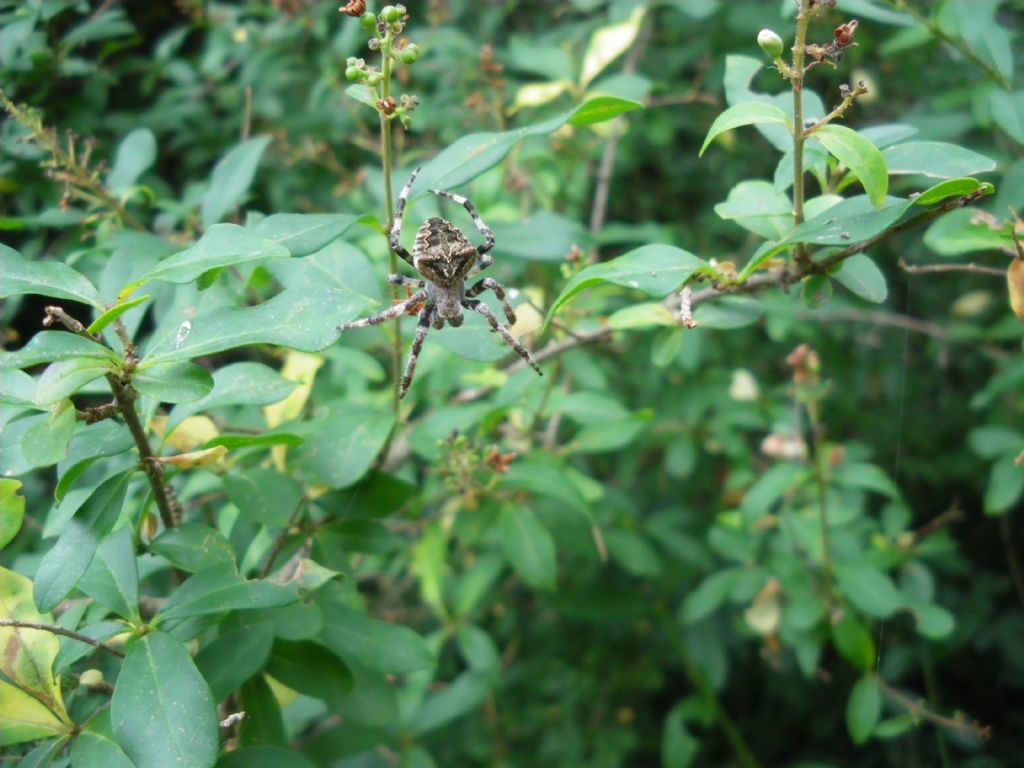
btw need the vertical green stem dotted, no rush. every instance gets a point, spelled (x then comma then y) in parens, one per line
(389, 203)
(803, 18)
(821, 479)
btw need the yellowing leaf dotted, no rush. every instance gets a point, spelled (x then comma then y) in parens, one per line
(1015, 284)
(23, 718)
(192, 459)
(536, 94)
(28, 654)
(608, 43)
(299, 367)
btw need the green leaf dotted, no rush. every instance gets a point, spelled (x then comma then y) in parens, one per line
(51, 346)
(861, 276)
(679, 748)
(603, 108)
(263, 724)
(68, 559)
(263, 495)
(113, 578)
(465, 694)
(1008, 112)
(952, 188)
(306, 320)
(309, 668)
(728, 313)
(747, 113)
(656, 270)
(219, 589)
(545, 236)
(91, 443)
(1005, 485)
(371, 643)
(222, 245)
(135, 155)
(46, 443)
(758, 207)
(869, 477)
(231, 179)
(235, 656)
(105, 319)
(529, 546)
(608, 43)
(476, 153)
(960, 232)
(867, 588)
(95, 747)
(12, 510)
(27, 660)
(193, 547)
(16, 388)
(341, 444)
(162, 712)
(854, 642)
(993, 441)
(234, 442)
(174, 382)
(362, 94)
(935, 159)
(236, 384)
(709, 596)
(933, 621)
(18, 276)
(815, 291)
(863, 159)
(64, 378)
(863, 709)
(305, 233)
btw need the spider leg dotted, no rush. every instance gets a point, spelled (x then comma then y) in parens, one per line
(396, 311)
(490, 284)
(485, 260)
(396, 228)
(402, 280)
(482, 309)
(422, 328)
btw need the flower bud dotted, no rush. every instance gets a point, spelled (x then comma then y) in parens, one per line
(368, 21)
(770, 43)
(390, 14)
(409, 54)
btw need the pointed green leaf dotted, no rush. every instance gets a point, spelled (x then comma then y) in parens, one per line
(657, 270)
(95, 747)
(68, 559)
(174, 382)
(936, 159)
(370, 642)
(51, 346)
(222, 245)
(309, 668)
(867, 588)
(231, 179)
(529, 546)
(863, 709)
(18, 276)
(861, 276)
(12, 510)
(220, 589)
(305, 233)
(65, 377)
(263, 495)
(746, 113)
(602, 108)
(306, 320)
(135, 155)
(113, 578)
(341, 444)
(46, 443)
(235, 656)
(16, 388)
(193, 547)
(105, 319)
(860, 156)
(236, 384)
(162, 712)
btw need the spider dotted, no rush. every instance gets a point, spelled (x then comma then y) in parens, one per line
(445, 259)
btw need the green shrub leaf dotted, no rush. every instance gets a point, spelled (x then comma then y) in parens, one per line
(863, 159)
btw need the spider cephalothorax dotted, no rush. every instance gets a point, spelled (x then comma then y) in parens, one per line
(446, 259)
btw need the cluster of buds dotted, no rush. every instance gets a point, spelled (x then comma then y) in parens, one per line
(385, 28)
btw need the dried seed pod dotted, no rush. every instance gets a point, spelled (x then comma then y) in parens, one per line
(355, 8)
(1015, 284)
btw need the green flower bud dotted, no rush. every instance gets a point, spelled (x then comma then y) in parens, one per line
(354, 74)
(390, 14)
(770, 43)
(409, 54)
(368, 21)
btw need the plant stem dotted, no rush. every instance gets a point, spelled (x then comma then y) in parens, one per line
(803, 18)
(707, 693)
(387, 64)
(55, 630)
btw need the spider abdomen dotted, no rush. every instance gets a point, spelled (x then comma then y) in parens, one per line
(442, 254)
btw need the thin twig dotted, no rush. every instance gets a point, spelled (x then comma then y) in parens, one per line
(919, 711)
(282, 538)
(55, 630)
(970, 269)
